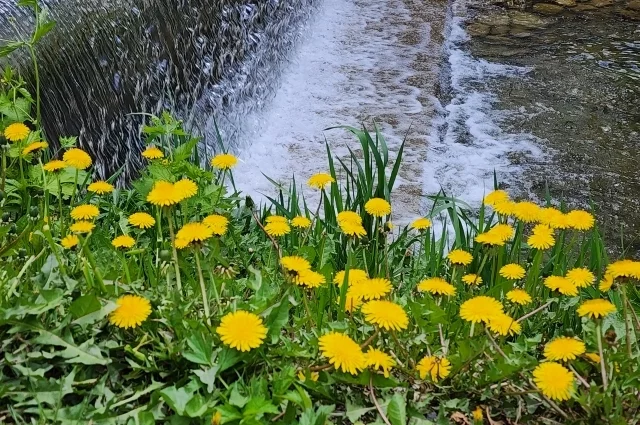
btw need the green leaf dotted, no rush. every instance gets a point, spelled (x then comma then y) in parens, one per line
(43, 29)
(185, 150)
(208, 377)
(177, 398)
(237, 399)
(278, 318)
(196, 407)
(46, 300)
(397, 410)
(228, 357)
(16, 110)
(7, 49)
(355, 412)
(96, 316)
(84, 305)
(257, 407)
(201, 350)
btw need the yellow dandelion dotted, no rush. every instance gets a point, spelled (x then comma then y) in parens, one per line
(527, 212)
(564, 349)
(624, 268)
(496, 197)
(489, 238)
(477, 414)
(100, 187)
(459, 256)
(554, 218)
(371, 289)
(353, 229)
(69, 241)
(302, 376)
(480, 309)
(54, 165)
(506, 208)
(320, 180)
(130, 312)
(224, 161)
(519, 296)
(310, 279)
(185, 188)
(554, 380)
(377, 207)
(562, 285)
(378, 359)
(276, 219)
(192, 233)
(542, 237)
(472, 279)
(163, 194)
(592, 357)
(596, 308)
(301, 222)
(581, 277)
(295, 264)
(606, 282)
(349, 217)
(436, 286)
(342, 352)
(82, 227)
(123, 241)
(277, 228)
(580, 220)
(217, 223)
(436, 368)
(421, 223)
(355, 276)
(512, 271)
(16, 132)
(386, 314)
(503, 231)
(33, 147)
(504, 325)
(141, 220)
(85, 212)
(242, 330)
(152, 152)
(77, 158)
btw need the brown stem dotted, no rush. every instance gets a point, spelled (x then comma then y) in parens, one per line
(531, 313)
(580, 378)
(273, 241)
(495, 344)
(368, 341)
(375, 402)
(319, 368)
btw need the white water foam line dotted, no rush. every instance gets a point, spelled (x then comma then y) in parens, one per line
(467, 143)
(351, 67)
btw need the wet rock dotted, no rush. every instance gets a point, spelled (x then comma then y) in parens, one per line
(478, 30)
(494, 20)
(500, 30)
(584, 8)
(528, 20)
(634, 5)
(550, 9)
(601, 3)
(630, 14)
(567, 3)
(520, 32)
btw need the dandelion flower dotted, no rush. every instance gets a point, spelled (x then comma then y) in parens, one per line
(77, 158)
(386, 314)
(506, 208)
(504, 325)
(163, 194)
(421, 223)
(276, 219)
(192, 233)
(488, 238)
(277, 228)
(554, 380)
(85, 212)
(624, 268)
(377, 207)
(437, 368)
(355, 276)
(349, 217)
(477, 414)
(54, 165)
(512, 271)
(596, 308)
(606, 283)
(130, 312)
(312, 375)
(69, 241)
(472, 279)
(100, 187)
(342, 352)
(352, 229)
(185, 188)
(242, 330)
(527, 212)
(224, 161)
(16, 132)
(371, 289)
(320, 180)
(123, 241)
(503, 231)
(564, 349)
(562, 285)
(152, 152)
(542, 237)
(378, 359)
(496, 197)
(581, 277)
(301, 222)
(459, 256)
(142, 220)
(480, 309)
(310, 279)
(519, 296)
(436, 286)
(553, 218)
(33, 147)
(580, 220)
(352, 301)
(217, 223)
(82, 227)
(295, 264)
(592, 357)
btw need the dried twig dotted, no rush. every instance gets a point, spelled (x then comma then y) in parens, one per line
(375, 401)
(531, 313)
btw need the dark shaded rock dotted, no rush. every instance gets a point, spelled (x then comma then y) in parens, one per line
(478, 30)
(567, 3)
(634, 5)
(630, 14)
(584, 8)
(500, 30)
(601, 3)
(528, 20)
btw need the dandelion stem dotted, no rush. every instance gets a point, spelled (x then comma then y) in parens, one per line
(627, 329)
(203, 288)
(372, 393)
(473, 325)
(75, 187)
(495, 345)
(603, 369)
(580, 378)
(371, 338)
(174, 250)
(442, 342)
(531, 313)
(125, 266)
